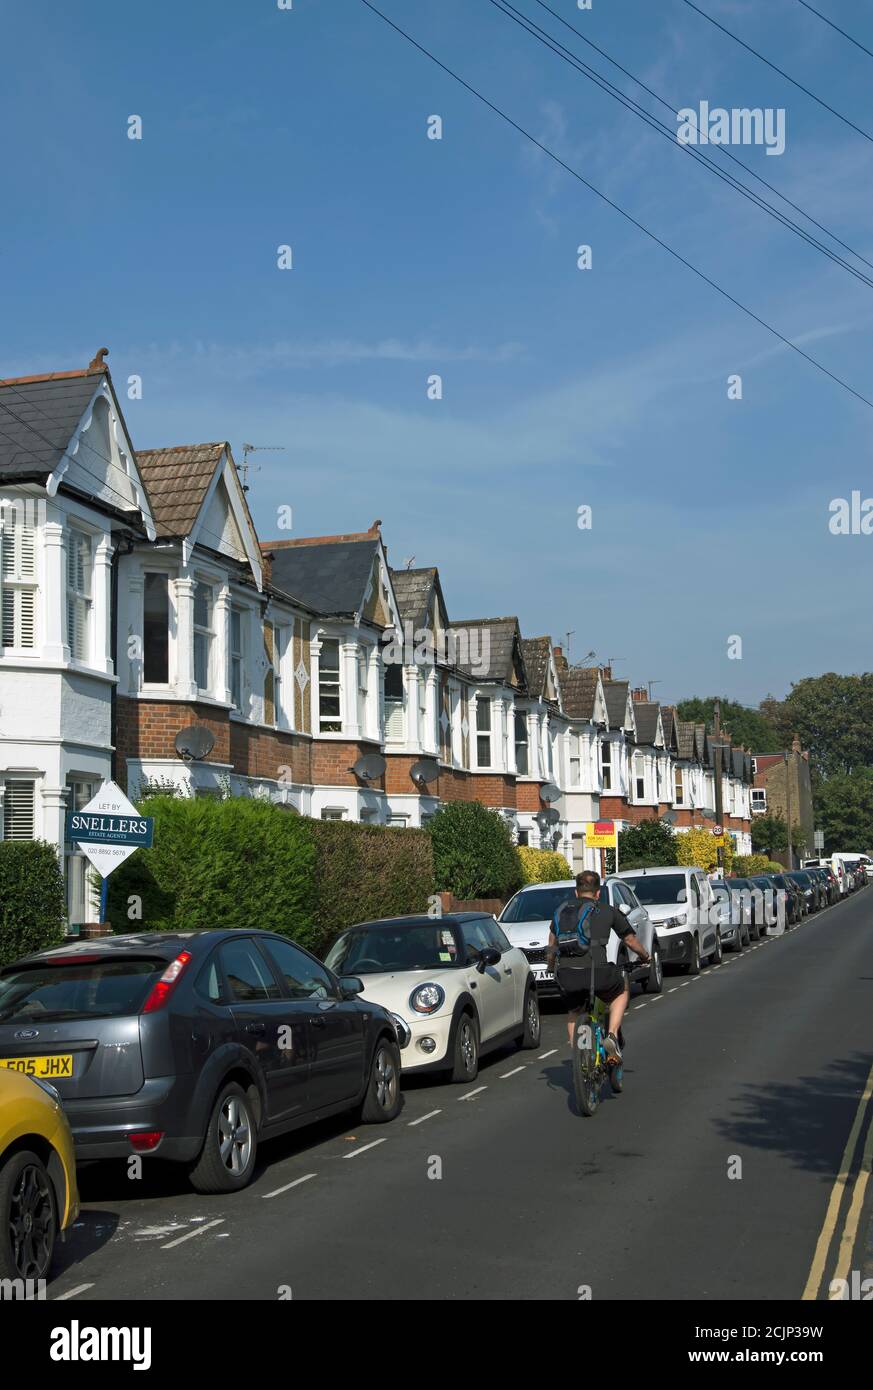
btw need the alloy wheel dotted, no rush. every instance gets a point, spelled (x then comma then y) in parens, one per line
(468, 1045)
(385, 1076)
(533, 1018)
(32, 1223)
(234, 1136)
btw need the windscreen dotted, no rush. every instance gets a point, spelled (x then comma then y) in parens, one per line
(658, 889)
(539, 905)
(102, 988)
(373, 950)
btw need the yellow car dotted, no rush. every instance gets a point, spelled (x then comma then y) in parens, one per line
(38, 1193)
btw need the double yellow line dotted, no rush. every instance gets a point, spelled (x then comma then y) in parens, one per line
(856, 1205)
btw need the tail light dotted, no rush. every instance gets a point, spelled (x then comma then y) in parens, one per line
(145, 1141)
(163, 988)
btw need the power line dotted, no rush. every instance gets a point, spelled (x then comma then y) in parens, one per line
(542, 36)
(824, 19)
(799, 85)
(617, 208)
(722, 149)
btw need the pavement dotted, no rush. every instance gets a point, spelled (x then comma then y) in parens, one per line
(721, 1172)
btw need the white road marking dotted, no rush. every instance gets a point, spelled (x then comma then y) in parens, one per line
(514, 1072)
(673, 990)
(421, 1119)
(470, 1094)
(219, 1221)
(683, 984)
(287, 1188)
(71, 1293)
(364, 1147)
(547, 1054)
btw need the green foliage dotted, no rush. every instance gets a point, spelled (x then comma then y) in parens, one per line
(844, 811)
(697, 847)
(833, 717)
(648, 845)
(473, 853)
(235, 863)
(747, 865)
(32, 900)
(769, 834)
(753, 728)
(363, 872)
(542, 865)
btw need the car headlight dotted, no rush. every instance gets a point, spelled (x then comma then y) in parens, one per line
(426, 999)
(680, 919)
(402, 1029)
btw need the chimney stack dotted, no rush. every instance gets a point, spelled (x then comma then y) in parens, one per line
(639, 694)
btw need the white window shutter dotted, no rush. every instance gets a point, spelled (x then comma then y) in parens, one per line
(18, 811)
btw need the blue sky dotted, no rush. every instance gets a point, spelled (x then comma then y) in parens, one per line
(561, 388)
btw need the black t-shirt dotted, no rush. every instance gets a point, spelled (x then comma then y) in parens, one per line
(597, 925)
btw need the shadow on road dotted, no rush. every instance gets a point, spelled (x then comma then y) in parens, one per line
(803, 1120)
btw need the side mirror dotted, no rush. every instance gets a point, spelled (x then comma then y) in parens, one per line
(350, 986)
(624, 909)
(489, 956)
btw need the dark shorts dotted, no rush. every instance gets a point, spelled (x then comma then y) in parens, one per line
(574, 983)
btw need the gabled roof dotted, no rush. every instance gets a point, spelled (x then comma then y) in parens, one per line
(617, 702)
(38, 417)
(414, 591)
(579, 691)
(178, 480)
(670, 726)
(329, 573)
(649, 728)
(686, 739)
(700, 750)
(540, 663)
(499, 642)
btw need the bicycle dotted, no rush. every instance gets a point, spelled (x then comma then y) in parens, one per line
(591, 1065)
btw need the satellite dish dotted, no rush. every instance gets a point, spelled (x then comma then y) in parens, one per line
(708, 812)
(668, 818)
(545, 818)
(194, 742)
(426, 770)
(550, 792)
(369, 768)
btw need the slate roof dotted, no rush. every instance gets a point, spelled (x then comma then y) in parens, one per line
(646, 716)
(668, 721)
(579, 691)
(48, 409)
(685, 739)
(413, 589)
(616, 702)
(738, 762)
(177, 481)
(502, 636)
(700, 741)
(535, 651)
(329, 574)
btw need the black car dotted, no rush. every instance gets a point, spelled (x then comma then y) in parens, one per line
(193, 1046)
(749, 904)
(777, 903)
(795, 909)
(809, 886)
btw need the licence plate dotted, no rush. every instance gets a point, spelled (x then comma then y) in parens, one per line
(61, 1064)
(541, 973)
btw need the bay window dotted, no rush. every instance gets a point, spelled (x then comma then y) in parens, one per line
(393, 700)
(483, 731)
(237, 656)
(329, 716)
(156, 629)
(679, 786)
(17, 578)
(204, 635)
(521, 746)
(79, 572)
(606, 764)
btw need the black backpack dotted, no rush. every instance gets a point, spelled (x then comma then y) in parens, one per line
(573, 940)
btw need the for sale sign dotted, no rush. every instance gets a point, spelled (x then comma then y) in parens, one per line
(600, 834)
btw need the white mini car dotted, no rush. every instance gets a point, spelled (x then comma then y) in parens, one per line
(454, 984)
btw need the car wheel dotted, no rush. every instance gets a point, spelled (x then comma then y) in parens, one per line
(28, 1218)
(465, 1063)
(227, 1159)
(382, 1101)
(530, 1037)
(716, 955)
(693, 966)
(654, 981)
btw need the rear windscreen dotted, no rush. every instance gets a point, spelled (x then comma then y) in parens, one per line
(93, 989)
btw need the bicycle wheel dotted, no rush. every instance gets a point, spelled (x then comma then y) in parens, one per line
(586, 1075)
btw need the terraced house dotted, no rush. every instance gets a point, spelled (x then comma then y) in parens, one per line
(147, 634)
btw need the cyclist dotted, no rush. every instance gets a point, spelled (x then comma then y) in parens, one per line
(578, 937)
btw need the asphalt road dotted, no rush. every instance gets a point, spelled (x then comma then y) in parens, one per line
(501, 1190)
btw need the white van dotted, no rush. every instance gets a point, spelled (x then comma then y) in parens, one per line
(680, 902)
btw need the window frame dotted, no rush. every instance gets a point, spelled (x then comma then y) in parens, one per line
(19, 779)
(18, 579)
(165, 579)
(206, 632)
(330, 723)
(484, 702)
(79, 600)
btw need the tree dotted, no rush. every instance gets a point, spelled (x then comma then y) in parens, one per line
(844, 811)
(769, 833)
(473, 853)
(698, 847)
(833, 717)
(647, 845)
(752, 728)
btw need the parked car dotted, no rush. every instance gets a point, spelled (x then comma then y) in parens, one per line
(734, 915)
(679, 900)
(827, 882)
(456, 983)
(791, 897)
(194, 1046)
(809, 886)
(752, 905)
(39, 1199)
(528, 916)
(777, 905)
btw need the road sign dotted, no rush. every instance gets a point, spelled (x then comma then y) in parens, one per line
(601, 834)
(718, 831)
(818, 839)
(109, 829)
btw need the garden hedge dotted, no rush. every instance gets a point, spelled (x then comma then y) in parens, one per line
(473, 852)
(32, 898)
(243, 862)
(542, 865)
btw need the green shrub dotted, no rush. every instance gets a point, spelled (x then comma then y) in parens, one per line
(32, 899)
(542, 865)
(363, 872)
(648, 845)
(473, 852)
(747, 865)
(236, 863)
